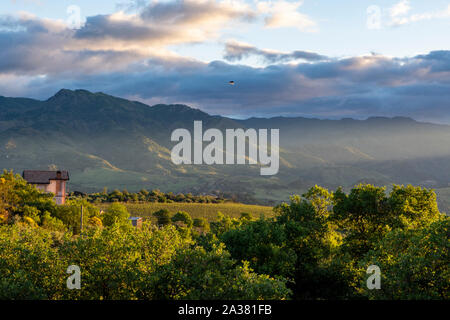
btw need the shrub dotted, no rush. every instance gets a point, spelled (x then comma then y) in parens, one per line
(184, 218)
(163, 217)
(115, 214)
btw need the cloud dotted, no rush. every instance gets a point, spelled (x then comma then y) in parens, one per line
(285, 14)
(235, 51)
(162, 24)
(400, 9)
(130, 6)
(38, 46)
(357, 87)
(105, 43)
(400, 14)
(129, 55)
(437, 61)
(197, 12)
(114, 42)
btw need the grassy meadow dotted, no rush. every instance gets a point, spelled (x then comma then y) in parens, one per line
(195, 210)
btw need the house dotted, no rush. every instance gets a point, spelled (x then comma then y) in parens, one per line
(136, 222)
(49, 181)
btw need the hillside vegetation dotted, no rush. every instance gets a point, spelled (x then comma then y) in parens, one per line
(318, 246)
(105, 141)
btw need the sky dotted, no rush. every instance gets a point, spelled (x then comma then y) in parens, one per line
(313, 58)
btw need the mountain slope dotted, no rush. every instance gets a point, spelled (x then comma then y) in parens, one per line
(107, 141)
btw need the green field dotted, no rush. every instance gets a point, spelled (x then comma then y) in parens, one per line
(196, 210)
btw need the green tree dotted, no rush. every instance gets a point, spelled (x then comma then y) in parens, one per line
(115, 214)
(315, 244)
(245, 216)
(412, 207)
(17, 197)
(184, 218)
(200, 274)
(30, 264)
(366, 214)
(18, 286)
(202, 225)
(117, 262)
(163, 217)
(52, 223)
(223, 224)
(414, 263)
(264, 244)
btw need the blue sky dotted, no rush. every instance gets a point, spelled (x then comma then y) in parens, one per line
(318, 58)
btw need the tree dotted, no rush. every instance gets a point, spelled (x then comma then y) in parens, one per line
(184, 218)
(116, 196)
(264, 244)
(414, 263)
(198, 274)
(412, 207)
(223, 224)
(30, 264)
(245, 217)
(17, 197)
(362, 216)
(17, 286)
(315, 244)
(117, 263)
(202, 225)
(52, 223)
(163, 217)
(366, 214)
(115, 214)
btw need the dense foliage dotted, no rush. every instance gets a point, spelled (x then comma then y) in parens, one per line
(146, 196)
(318, 246)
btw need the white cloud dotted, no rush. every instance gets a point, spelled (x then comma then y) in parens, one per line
(32, 45)
(400, 9)
(283, 13)
(400, 14)
(433, 15)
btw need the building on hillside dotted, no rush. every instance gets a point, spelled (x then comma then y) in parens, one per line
(49, 181)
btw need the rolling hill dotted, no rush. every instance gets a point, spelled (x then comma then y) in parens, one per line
(105, 141)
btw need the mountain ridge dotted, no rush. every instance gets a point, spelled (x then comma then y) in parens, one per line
(76, 92)
(117, 143)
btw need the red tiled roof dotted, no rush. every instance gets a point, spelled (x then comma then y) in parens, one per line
(44, 177)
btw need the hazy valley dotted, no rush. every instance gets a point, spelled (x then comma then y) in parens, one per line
(106, 141)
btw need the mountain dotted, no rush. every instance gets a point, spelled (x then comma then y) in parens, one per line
(105, 141)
